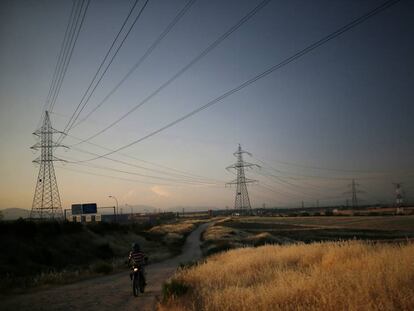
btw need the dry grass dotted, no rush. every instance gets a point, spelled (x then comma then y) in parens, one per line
(181, 227)
(217, 232)
(219, 237)
(173, 234)
(178, 228)
(320, 276)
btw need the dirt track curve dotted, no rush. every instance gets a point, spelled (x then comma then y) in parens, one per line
(112, 292)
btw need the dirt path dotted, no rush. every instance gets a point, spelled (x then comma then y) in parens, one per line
(112, 292)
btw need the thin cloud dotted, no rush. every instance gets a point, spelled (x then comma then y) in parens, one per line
(160, 191)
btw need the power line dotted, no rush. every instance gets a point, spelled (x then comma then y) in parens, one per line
(300, 165)
(108, 176)
(182, 181)
(181, 173)
(142, 167)
(185, 68)
(63, 55)
(265, 73)
(147, 53)
(68, 44)
(296, 176)
(279, 192)
(260, 192)
(281, 179)
(323, 168)
(60, 58)
(75, 30)
(270, 188)
(82, 104)
(290, 186)
(189, 178)
(120, 178)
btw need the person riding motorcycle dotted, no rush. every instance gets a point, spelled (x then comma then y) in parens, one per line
(137, 258)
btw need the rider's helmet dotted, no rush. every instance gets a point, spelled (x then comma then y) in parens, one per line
(136, 247)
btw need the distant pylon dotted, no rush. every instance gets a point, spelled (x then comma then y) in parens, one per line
(354, 191)
(354, 194)
(399, 198)
(242, 201)
(46, 200)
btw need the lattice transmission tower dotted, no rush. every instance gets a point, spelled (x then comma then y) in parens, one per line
(242, 201)
(46, 200)
(354, 193)
(399, 195)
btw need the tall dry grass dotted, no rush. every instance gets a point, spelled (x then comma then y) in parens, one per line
(321, 276)
(180, 227)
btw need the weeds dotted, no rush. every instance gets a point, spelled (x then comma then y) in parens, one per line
(321, 276)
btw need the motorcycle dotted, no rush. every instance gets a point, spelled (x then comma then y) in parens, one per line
(138, 282)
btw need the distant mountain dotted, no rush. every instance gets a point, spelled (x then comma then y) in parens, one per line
(14, 213)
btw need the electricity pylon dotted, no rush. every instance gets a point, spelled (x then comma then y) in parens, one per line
(242, 201)
(46, 200)
(354, 191)
(399, 195)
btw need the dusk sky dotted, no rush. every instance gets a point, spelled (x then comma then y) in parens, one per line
(343, 111)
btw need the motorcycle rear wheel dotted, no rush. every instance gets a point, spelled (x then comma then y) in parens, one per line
(135, 284)
(141, 285)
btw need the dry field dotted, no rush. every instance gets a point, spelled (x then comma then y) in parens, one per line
(401, 223)
(349, 275)
(234, 232)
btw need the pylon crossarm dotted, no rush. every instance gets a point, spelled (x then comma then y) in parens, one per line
(40, 145)
(244, 164)
(250, 165)
(52, 131)
(241, 152)
(249, 181)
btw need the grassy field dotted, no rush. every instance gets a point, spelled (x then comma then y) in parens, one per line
(234, 232)
(350, 275)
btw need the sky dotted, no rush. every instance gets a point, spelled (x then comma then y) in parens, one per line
(340, 112)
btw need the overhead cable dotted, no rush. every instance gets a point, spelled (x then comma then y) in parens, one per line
(263, 74)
